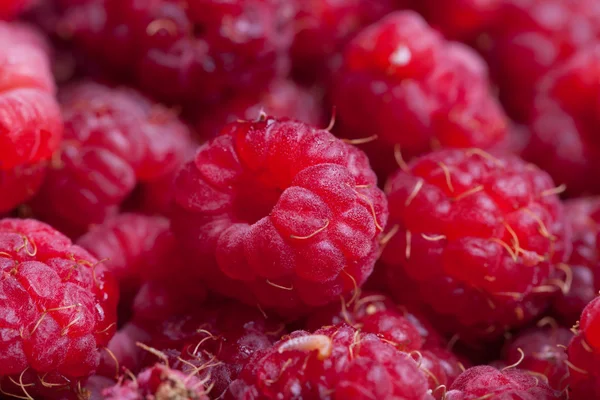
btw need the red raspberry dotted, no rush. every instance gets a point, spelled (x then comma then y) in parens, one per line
(58, 308)
(186, 51)
(337, 362)
(113, 138)
(281, 99)
(123, 352)
(584, 355)
(414, 91)
(30, 123)
(20, 184)
(541, 351)
(529, 38)
(323, 27)
(158, 382)
(489, 383)
(479, 235)
(280, 213)
(11, 8)
(583, 269)
(564, 121)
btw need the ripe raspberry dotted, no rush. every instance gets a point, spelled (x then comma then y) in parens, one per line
(479, 235)
(20, 184)
(414, 91)
(30, 123)
(541, 350)
(281, 99)
(58, 308)
(186, 51)
(564, 121)
(489, 383)
(280, 213)
(583, 270)
(113, 138)
(158, 382)
(375, 313)
(337, 362)
(324, 27)
(529, 38)
(123, 352)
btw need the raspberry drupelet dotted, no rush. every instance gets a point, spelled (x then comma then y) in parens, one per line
(485, 382)
(114, 138)
(564, 121)
(337, 362)
(20, 184)
(529, 38)
(410, 91)
(186, 51)
(279, 213)
(482, 237)
(58, 310)
(30, 124)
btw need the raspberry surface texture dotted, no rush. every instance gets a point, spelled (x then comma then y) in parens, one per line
(113, 139)
(20, 184)
(58, 310)
(338, 362)
(279, 213)
(186, 51)
(411, 91)
(30, 122)
(480, 236)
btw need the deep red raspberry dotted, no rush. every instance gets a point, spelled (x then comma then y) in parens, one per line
(281, 99)
(415, 91)
(479, 235)
(529, 38)
(186, 50)
(158, 382)
(563, 124)
(323, 27)
(58, 308)
(113, 139)
(541, 350)
(280, 213)
(583, 269)
(490, 383)
(20, 184)
(30, 123)
(337, 362)
(584, 355)
(123, 352)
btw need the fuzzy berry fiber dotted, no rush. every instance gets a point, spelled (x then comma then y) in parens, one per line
(185, 51)
(564, 139)
(58, 308)
(403, 83)
(30, 123)
(489, 383)
(280, 213)
(584, 355)
(158, 382)
(113, 139)
(479, 235)
(338, 362)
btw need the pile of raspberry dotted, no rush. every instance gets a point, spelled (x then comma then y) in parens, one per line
(300, 199)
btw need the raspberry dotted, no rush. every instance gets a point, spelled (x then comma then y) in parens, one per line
(541, 351)
(158, 382)
(19, 184)
(337, 362)
(490, 383)
(30, 123)
(59, 307)
(412, 90)
(583, 270)
(11, 8)
(113, 138)
(529, 38)
(281, 99)
(324, 27)
(122, 351)
(286, 234)
(480, 237)
(186, 51)
(584, 355)
(563, 139)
